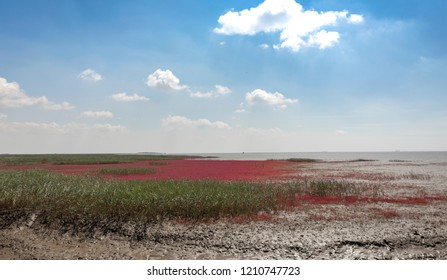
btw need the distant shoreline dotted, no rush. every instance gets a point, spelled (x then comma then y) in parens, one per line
(430, 156)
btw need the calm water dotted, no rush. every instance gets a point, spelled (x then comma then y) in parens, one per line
(337, 156)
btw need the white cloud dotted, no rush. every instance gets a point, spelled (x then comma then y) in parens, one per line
(180, 122)
(90, 75)
(164, 79)
(124, 97)
(355, 18)
(71, 137)
(109, 128)
(266, 132)
(219, 91)
(15, 126)
(3, 116)
(46, 104)
(56, 128)
(199, 94)
(324, 39)
(241, 108)
(97, 114)
(11, 95)
(264, 46)
(296, 25)
(262, 97)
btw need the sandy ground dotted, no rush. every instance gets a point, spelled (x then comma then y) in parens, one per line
(330, 231)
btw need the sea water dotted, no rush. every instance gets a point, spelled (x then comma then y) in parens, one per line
(336, 156)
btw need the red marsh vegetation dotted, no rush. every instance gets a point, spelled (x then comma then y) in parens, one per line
(197, 169)
(147, 189)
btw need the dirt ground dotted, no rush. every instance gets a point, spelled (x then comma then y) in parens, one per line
(378, 230)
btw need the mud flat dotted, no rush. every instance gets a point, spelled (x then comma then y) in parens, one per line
(410, 224)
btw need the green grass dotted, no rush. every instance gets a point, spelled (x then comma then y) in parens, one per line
(7, 159)
(60, 195)
(126, 170)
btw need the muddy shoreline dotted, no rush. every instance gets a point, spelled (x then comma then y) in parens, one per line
(328, 231)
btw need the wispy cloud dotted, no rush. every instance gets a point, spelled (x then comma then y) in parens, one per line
(341, 132)
(298, 27)
(218, 91)
(276, 100)
(180, 122)
(265, 132)
(11, 95)
(97, 114)
(354, 18)
(164, 79)
(199, 94)
(90, 75)
(124, 97)
(222, 90)
(57, 128)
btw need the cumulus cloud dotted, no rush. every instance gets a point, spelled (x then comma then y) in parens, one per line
(124, 97)
(180, 122)
(97, 114)
(324, 39)
(296, 26)
(90, 75)
(219, 91)
(164, 79)
(262, 97)
(11, 95)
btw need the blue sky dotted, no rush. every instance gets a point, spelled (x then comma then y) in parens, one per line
(222, 76)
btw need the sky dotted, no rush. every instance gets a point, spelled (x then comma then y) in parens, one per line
(106, 76)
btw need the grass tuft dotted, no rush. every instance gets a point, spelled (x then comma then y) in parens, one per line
(158, 163)
(416, 176)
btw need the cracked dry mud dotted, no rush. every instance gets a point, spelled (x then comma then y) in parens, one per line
(330, 231)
